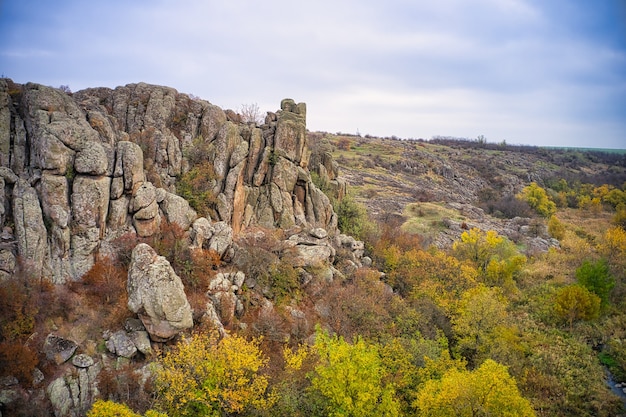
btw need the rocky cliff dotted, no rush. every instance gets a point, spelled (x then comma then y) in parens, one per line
(79, 170)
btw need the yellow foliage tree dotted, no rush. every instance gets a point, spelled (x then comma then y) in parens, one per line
(102, 408)
(204, 376)
(556, 228)
(496, 257)
(435, 274)
(574, 303)
(489, 390)
(538, 199)
(614, 245)
(350, 377)
(480, 320)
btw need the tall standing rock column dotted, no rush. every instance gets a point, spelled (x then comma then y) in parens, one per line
(31, 233)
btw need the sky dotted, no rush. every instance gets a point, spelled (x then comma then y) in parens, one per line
(533, 72)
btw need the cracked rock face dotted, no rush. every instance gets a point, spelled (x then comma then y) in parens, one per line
(78, 171)
(157, 294)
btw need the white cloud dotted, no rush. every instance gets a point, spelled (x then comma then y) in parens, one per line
(502, 68)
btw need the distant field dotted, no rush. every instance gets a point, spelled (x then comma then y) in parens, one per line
(617, 151)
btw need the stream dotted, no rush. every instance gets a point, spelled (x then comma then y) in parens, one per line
(617, 388)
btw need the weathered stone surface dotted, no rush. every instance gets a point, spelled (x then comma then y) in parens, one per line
(60, 397)
(90, 202)
(178, 211)
(306, 255)
(53, 192)
(226, 142)
(120, 344)
(146, 228)
(73, 393)
(201, 231)
(92, 160)
(143, 196)
(84, 245)
(8, 175)
(7, 263)
(141, 339)
(222, 237)
(5, 124)
(30, 230)
(213, 120)
(291, 130)
(129, 164)
(82, 361)
(156, 293)
(58, 349)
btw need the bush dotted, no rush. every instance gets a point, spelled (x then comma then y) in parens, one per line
(556, 228)
(597, 278)
(18, 360)
(538, 200)
(352, 218)
(508, 207)
(196, 186)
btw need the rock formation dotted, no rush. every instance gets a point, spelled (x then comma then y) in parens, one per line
(157, 294)
(80, 170)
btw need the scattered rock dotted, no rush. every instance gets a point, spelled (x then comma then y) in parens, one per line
(58, 349)
(82, 361)
(121, 345)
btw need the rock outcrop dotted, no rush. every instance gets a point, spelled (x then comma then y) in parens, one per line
(157, 295)
(81, 170)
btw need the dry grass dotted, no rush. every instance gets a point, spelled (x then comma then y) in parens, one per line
(426, 218)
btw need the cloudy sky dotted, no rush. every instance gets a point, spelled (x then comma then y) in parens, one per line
(539, 72)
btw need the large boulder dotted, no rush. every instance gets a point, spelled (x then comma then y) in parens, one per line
(157, 294)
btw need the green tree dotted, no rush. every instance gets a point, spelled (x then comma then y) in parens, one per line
(352, 218)
(204, 376)
(538, 199)
(489, 390)
(351, 378)
(574, 303)
(597, 278)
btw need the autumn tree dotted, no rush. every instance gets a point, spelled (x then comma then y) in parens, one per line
(488, 390)
(556, 229)
(102, 408)
(351, 378)
(481, 315)
(538, 199)
(496, 257)
(574, 303)
(204, 376)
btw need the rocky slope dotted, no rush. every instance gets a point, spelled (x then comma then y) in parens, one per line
(80, 170)
(468, 183)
